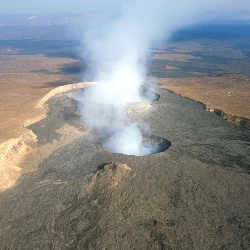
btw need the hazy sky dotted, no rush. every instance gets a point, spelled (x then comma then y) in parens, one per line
(52, 6)
(34, 7)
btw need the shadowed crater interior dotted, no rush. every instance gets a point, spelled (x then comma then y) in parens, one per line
(148, 95)
(150, 145)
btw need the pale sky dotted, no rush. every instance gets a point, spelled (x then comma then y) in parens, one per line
(9, 7)
(35, 7)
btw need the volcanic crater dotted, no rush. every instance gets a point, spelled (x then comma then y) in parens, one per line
(175, 199)
(148, 145)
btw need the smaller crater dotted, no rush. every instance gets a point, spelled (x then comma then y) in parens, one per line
(150, 145)
(149, 95)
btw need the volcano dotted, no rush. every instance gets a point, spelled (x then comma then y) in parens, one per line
(82, 196)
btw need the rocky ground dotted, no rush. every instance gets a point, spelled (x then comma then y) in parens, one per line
(195, 195)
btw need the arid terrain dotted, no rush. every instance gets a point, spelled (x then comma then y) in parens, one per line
(60, 189)
(25, 79)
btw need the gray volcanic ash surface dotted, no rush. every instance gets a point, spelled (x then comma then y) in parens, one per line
(194, 195)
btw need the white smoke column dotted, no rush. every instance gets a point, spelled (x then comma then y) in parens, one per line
(117, 44)
(128, 140)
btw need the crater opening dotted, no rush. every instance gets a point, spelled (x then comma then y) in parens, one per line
(146, 92)
(148, 146)
(148, 95)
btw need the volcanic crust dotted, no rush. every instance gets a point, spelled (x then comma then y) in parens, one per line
(195, 195)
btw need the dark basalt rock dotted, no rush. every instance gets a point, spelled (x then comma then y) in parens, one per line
(195, 195)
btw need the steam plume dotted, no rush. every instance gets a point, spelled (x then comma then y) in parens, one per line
(117, 42)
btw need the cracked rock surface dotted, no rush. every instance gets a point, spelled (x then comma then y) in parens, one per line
(194, 195)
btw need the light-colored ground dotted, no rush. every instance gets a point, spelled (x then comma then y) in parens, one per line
(21, 88)
(175, 57)
(23, 91)
(14, 151)
(230, 93)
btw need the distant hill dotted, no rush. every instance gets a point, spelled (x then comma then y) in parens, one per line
(34, 20)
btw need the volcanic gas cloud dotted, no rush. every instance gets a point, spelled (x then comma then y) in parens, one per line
(117, 42)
